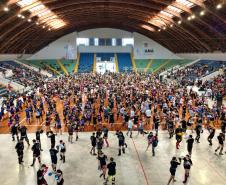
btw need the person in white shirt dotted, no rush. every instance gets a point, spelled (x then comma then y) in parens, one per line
(148, 116)
(130, 127)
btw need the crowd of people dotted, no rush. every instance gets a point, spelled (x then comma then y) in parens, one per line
(111, 101)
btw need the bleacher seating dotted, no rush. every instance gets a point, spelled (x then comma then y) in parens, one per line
(86, 62)
(151, 65)
(21, 74)
(124, 62)
(3, 91)
(69, 64)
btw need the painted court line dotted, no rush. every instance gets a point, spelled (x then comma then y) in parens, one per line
(145, 175)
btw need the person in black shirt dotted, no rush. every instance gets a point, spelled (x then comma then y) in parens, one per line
(170, 125)
(23, 133)
(36, 151)
(210, 137)
(59, 177)
(38, 134)
(20, 150)
(121, 142)
(53, 155)
(221, 139)
(111, 171)
(187, 167)
(100, 144)
(93, 143)
(105, 131)
(190, 142)
(14, 131)
(198, 130)
(40, 175)
(184, 125)
(52, 137)
(102, 163)
(173, 167)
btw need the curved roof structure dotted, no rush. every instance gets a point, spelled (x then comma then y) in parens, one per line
(179, 25)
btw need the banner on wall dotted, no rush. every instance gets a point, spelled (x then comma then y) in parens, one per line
(69, 52)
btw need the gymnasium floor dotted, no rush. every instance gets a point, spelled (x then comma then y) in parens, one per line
(136, 167)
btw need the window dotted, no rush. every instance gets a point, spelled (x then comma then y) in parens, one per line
(127, 41)
(108, 42)
(118, 42)
(113, 42)
(91, 41)
(82, 41)
(96, 41)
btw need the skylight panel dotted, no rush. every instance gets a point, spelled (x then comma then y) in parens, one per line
(23, 3)
(166, 14)
(174, 9)
(37, 8)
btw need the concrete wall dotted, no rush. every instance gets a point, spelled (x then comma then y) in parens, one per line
(206, 56)
(58, 49)
(13, 56)
(142, 44)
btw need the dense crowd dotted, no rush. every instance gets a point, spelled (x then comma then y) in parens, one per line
(113, 101)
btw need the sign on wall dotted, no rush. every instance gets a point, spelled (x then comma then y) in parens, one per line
(147, 50)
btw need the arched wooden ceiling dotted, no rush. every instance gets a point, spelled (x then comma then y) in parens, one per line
(205, 33)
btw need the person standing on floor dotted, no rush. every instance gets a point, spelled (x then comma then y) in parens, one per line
(93, 143)
(53, 155)
(221, 139)
(40, 175)
(121, 142)
(130, 128)
(105, 131)
(20, 150)
(59, 177)
(38, 134)
(36, 152)
(179, 133)
(187, 167)
(52, 137)
(174, 163)
(211, 135)
(190, 142)
(14, 131)
(62, 148)
(102, 164)
(111, 171)
(198, 130)
(23, 134)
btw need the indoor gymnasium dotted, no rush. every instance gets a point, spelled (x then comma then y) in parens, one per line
(112, 92)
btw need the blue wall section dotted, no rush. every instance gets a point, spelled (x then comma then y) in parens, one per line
(124, 62)
(86, 62)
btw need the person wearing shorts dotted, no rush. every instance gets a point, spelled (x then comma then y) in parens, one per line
(173, 168)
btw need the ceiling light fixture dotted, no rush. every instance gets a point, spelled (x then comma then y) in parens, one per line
(193, 17)
(37, 23)
(219, 6)
(29, 20)
(6, 9)
(171, 25)
(202, 13)
(189, 18)
(19, 15)
(43, 27)
(159, 30)
(179, 22)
